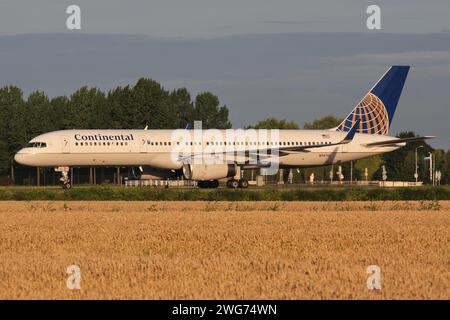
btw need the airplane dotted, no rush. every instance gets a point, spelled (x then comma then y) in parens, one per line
(208, 155)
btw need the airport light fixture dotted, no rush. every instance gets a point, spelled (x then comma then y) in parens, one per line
(416, 174)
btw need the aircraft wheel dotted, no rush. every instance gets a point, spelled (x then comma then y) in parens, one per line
(243, 184)
(202, 184)
(233, 184)
(214, 184)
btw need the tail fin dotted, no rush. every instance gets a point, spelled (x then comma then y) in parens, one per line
(376, 110)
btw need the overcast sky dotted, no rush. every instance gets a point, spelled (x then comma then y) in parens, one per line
(211, 18)
(289, 59)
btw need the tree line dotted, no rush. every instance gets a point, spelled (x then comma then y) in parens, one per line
(147, 103)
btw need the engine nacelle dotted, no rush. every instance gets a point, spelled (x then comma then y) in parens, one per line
(205, 172)
(149, 173)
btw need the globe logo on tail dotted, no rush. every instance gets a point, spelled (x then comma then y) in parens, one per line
(373, 116)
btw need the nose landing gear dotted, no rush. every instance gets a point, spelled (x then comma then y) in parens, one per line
(65, 179)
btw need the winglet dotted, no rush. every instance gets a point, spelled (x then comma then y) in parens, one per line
(351, 134)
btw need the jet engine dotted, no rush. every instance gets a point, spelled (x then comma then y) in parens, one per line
(205, 172)
(144, 173)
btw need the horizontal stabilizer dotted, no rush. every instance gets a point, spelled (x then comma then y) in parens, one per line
(391, 142)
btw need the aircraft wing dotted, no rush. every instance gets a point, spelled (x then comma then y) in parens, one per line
(391, 142)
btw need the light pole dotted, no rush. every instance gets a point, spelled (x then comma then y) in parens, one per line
(416, 174)
(431, 168)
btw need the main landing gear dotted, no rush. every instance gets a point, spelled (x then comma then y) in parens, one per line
(208, 184)
(234, 184)
(65, 179)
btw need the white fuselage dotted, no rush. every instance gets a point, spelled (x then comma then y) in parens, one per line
(155, 148)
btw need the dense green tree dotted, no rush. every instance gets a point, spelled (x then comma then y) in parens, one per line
(372, 164)
(39, 115)
(4, 157)
(326, 122)
(59, 107)
(441, 163)
(400, 164)
(184, 107)
(124, 109)
(446, 170)
(12, 119)
(151, 104)
(273, 123)
(208, 110)
(87, 109)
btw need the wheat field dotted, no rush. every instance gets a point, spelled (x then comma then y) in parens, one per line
(224, 250)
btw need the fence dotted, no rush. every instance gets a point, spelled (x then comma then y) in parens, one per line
(159, 183)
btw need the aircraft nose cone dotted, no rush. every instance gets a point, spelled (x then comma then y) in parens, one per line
(22, 158)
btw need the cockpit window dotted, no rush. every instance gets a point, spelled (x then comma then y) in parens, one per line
(36, 145)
